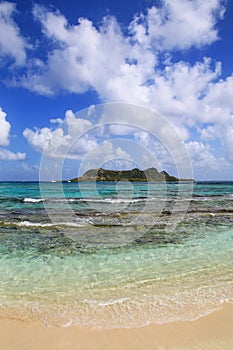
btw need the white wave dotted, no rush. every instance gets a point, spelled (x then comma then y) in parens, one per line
(32, 200)
(35, 224)
(93, 200)
(213, 197)
(47, 224)
(114, 200)
(124, 200)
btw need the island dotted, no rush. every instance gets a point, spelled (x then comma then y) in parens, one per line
(134, 175)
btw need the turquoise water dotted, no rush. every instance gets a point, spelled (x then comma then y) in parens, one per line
(115, 255)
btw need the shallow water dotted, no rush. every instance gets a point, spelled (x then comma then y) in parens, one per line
(115, 255)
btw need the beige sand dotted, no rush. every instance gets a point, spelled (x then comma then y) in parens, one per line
(214, 332)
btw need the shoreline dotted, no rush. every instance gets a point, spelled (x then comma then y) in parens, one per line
(214, 331)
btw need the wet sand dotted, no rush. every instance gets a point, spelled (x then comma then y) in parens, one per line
(214, 331)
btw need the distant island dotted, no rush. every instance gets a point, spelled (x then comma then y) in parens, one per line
(134, 175)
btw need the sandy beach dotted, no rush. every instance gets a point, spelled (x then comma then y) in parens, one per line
(214, 331)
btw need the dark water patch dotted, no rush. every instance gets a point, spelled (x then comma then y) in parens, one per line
(22, 242)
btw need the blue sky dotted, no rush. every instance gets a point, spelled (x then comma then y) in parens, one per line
(60, 57)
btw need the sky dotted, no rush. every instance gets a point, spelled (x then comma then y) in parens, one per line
(67, 67)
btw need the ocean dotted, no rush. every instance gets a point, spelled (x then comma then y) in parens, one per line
(115, 255)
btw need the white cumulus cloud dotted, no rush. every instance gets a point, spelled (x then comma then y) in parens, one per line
(193, 23)
(201, 155)
(68, 139)
(5, 127)
(12, 43)
(226, 132)
(38, 138)
(133, 66)
(8, 155)
(112, 63)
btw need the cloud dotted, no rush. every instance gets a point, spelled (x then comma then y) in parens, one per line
(201, 155)
(226, 132)
(208, 133)
(12, 43)
(76, 138)
(39, 138)
(112, 63)
(70, 139)
(110, 143)
(134, 66)
(208, 165)
(125, 146)
(107, 151)
(8, 155)
(5, 127)
(128, 67)
(108, 154)
(81, 52)
(219, 100)
(193, 23)
(162, 159)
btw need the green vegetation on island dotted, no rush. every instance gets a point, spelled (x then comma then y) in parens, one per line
(134, 175)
